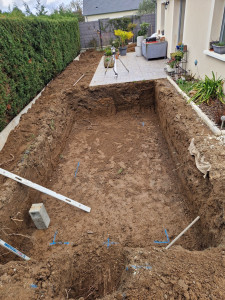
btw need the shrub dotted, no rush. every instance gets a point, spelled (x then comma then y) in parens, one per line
(32, 51)
(108, 51)
(124, 36)
(144, 29)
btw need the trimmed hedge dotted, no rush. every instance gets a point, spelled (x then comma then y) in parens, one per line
(32, 52)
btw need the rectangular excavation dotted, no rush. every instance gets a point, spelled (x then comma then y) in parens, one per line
(130, 143)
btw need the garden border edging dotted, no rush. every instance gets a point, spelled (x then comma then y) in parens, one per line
(15, 121)
(200, 113)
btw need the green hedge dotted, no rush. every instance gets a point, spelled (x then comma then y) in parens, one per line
(32, 52)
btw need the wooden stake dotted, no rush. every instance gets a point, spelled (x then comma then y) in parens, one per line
(78, 79)
(179, 235)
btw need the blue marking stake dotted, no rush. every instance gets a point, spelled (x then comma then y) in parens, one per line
(164, 242)
(34, 286)
(57, 243)
(143, 123)
(108, 243)
(77, 168)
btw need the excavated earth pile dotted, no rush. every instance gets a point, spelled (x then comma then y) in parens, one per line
(123, 151)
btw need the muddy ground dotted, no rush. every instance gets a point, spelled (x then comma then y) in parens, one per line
(135, 172)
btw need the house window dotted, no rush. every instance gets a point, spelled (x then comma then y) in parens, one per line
(218, 22)
(181, 21)
(162, 27)
(222, 33)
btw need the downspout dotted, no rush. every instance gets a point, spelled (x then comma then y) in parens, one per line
(180, 18)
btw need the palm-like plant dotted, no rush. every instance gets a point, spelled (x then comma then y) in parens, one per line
(208, 89)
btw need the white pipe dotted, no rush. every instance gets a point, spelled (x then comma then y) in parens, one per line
(44, 190)
(195, 220)
(13, 250)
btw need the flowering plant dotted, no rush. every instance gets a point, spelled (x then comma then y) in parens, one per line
(172, 62)
(123, 35)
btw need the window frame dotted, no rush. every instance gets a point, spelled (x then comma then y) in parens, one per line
(222, 32)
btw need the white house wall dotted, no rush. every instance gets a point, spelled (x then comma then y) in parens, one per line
(198, 25)
(202, 24)
(111, 15)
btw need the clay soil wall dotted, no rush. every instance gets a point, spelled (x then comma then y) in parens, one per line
(180, 124)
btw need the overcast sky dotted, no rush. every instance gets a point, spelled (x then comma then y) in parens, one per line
(49, 4)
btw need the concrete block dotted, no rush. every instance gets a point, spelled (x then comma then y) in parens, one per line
(39, 216)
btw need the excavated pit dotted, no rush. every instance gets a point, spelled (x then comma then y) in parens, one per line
(135, 172)
(120, 133)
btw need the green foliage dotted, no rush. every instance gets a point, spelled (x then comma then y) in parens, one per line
(116, 43)
(147, 7)
(178, 55)
(131, 26)
(32, 52)
(28, 12)
(185, 86)
(120, 23)
(220, 44)
(108, 51)
(172, 62)
(208, 89)
(144, 29)
(73, 10)
(40, 9)
(15, 13)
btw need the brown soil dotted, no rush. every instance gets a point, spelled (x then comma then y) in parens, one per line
(138, 178)
(214, 110)
(131, 47)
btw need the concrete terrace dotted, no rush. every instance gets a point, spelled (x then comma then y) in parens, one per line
(139, 69)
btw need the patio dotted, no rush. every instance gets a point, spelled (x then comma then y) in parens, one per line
(139, 69)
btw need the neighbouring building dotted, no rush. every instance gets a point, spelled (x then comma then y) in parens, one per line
(195, 23)
(94, 10)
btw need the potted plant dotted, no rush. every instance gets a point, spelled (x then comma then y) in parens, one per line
(107, 58)
(178, 55)
(219, 48)
(171, 65)
(124, 37)
(142, 33)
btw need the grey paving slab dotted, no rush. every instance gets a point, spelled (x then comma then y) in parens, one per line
(139, 69)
